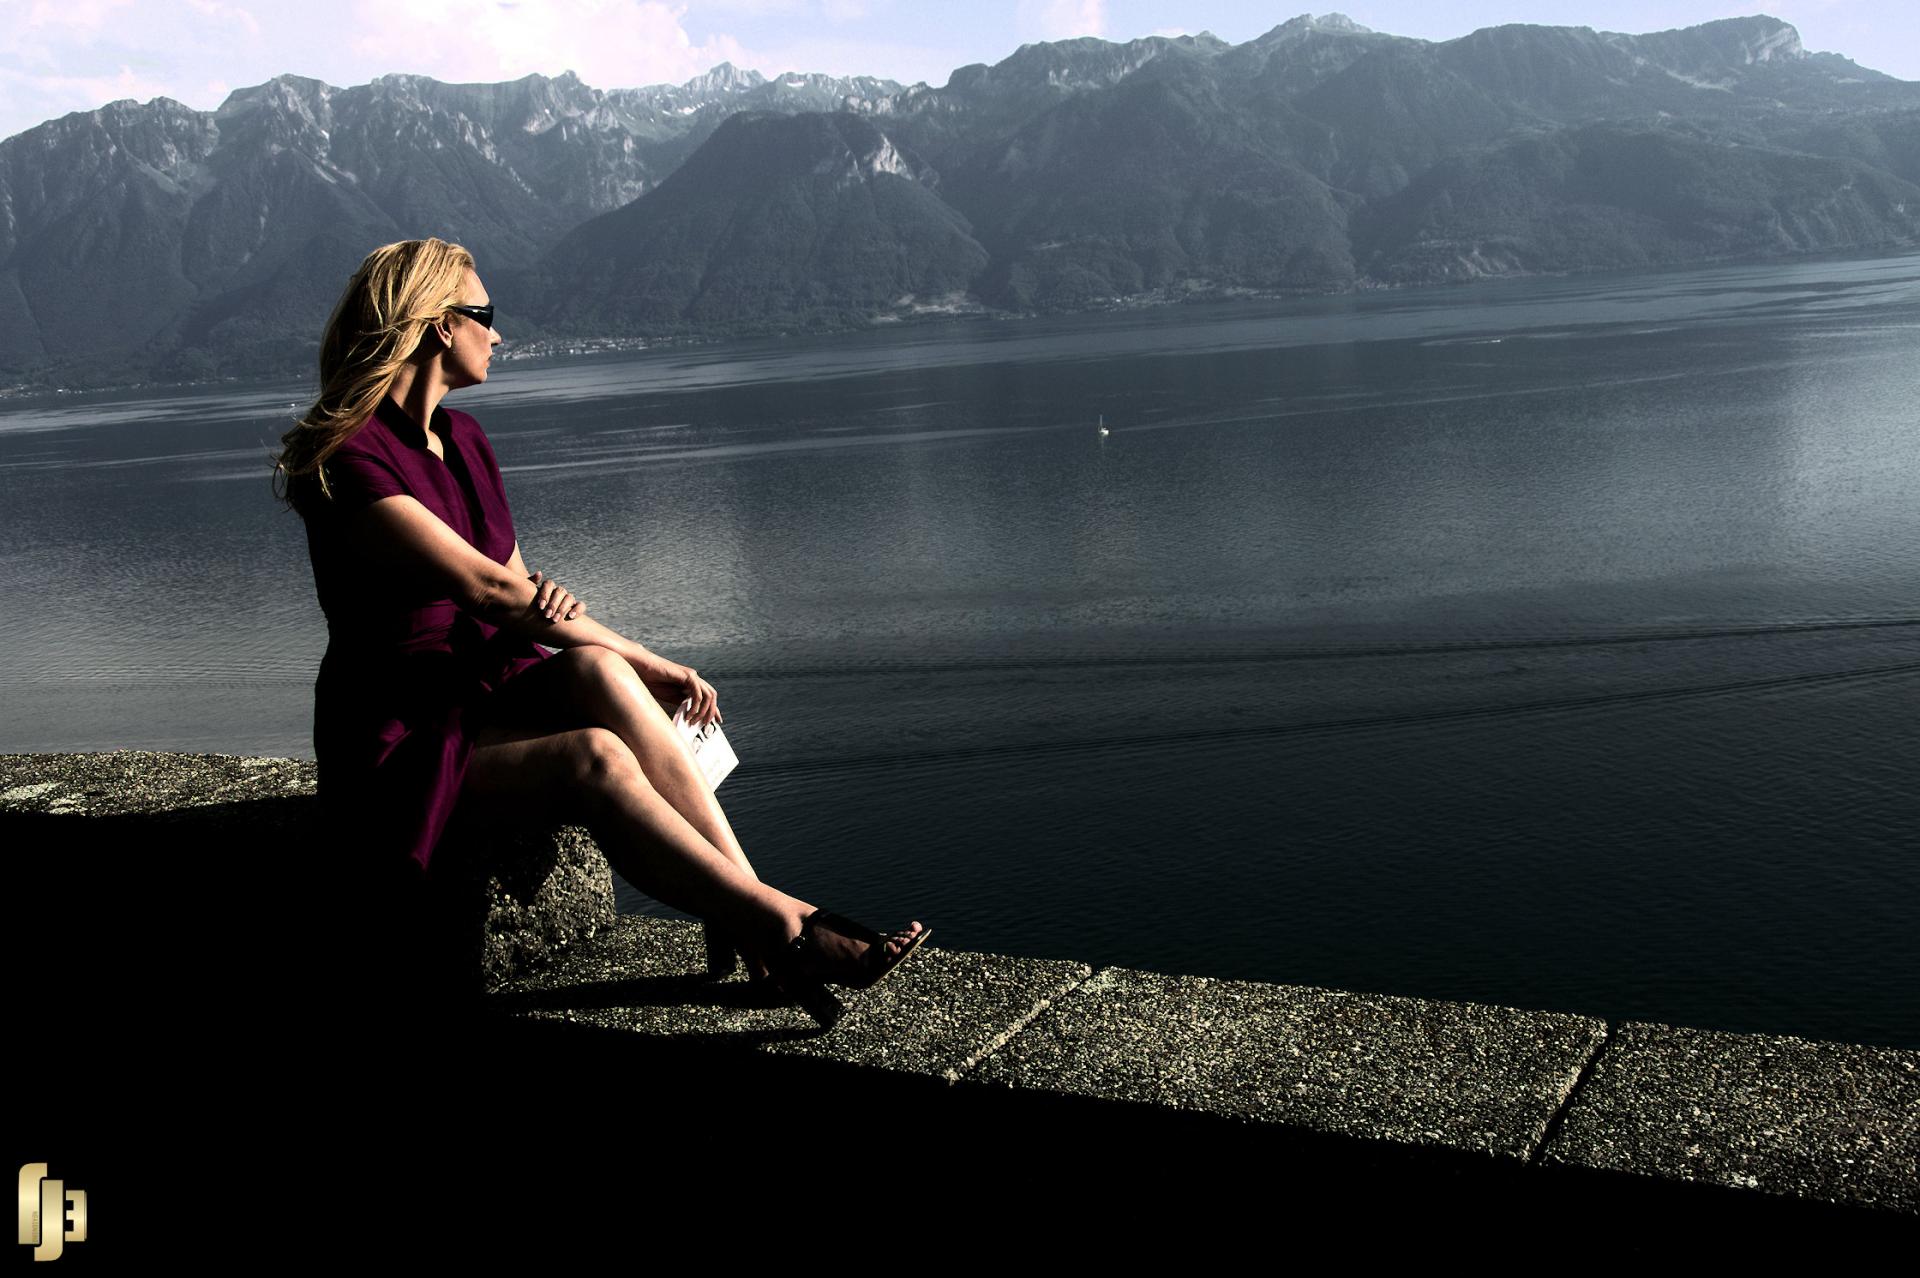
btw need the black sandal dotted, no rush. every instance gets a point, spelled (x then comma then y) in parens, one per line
(803, 968)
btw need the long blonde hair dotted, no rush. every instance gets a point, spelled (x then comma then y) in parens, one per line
(398, 292)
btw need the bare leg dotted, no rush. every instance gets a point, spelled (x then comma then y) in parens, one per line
(589, 775)
(593, 687)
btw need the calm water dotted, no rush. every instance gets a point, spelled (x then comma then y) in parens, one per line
(1545, 643)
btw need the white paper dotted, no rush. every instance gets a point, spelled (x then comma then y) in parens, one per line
(709, 745)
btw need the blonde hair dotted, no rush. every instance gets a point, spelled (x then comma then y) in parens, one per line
(399, 291)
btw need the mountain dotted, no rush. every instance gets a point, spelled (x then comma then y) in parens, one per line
(1318, 156)
(225, 236)
(1155, 185)
(1606, 197)
(777, 221)
(95, 207)
(982, 105)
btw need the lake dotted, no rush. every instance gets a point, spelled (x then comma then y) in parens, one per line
(1551, 643)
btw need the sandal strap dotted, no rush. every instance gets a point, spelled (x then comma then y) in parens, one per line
(844, 926)
(806, 955)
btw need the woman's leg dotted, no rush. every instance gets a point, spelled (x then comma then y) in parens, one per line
(589, 775)
(593, 687)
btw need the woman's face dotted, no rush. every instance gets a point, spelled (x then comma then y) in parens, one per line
(471, 343)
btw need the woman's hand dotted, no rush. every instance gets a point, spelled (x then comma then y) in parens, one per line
(554, 600)
(680, 685)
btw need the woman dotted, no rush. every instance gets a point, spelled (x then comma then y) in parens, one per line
(432, 696)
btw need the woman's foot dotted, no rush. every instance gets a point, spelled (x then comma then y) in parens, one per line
(830, 948)
(836, 949)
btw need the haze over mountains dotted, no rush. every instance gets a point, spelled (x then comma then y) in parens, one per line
(154, 242)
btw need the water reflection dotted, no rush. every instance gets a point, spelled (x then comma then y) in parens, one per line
(1551, 643)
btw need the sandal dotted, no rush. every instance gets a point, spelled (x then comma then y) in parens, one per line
(804, 967)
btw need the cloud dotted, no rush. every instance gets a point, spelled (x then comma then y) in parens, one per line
(228, 14)
(1061, 19)
(27, 100)
(610, 43)
(831, 10)
(756, 8)
(74, 16)
(830, 54)
(76, 55)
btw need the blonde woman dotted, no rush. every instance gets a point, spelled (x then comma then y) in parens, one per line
(432, 695)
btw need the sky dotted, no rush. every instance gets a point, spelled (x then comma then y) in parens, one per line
(75, 55)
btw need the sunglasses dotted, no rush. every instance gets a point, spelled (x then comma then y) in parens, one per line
(481, 314)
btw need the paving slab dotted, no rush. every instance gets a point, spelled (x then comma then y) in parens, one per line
(1833, 1122)
(126, 782)
(934, 1017)
(1453, 1075)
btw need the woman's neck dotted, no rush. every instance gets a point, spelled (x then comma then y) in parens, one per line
(418, 393)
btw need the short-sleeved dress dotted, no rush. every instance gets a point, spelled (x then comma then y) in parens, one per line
(407, 673)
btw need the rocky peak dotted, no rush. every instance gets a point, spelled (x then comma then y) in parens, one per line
(1757, 39)
(1060, 67)
(296, 96)
(1325, 24)
(1718, 51)
(1305, 50)
(164, 135)
(723, 79)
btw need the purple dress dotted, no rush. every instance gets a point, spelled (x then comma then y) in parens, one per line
(406, 678)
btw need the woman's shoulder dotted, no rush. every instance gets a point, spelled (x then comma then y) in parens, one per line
(372, 438)
(367, 465)
(465, 422)
(466, 427)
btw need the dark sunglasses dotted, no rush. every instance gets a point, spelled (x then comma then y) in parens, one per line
(482, 314)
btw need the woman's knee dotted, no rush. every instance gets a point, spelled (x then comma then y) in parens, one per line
(586, 662)
(601, 672)
(601, 761)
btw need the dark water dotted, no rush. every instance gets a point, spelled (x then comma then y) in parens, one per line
(1546, 643)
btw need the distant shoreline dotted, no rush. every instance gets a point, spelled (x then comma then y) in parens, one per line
(1152, 299)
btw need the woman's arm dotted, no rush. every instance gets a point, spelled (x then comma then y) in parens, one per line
(552, 598)
(402, 532)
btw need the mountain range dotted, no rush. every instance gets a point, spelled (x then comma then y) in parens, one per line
(158, 243)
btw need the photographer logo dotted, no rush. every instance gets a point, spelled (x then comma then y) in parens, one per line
(51, 1215)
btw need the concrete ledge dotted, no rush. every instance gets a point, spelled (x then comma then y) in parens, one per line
(1420, 1072)
(141, 782)
(1431, 1111)
(1834, 1122)
(504, 901)
(937, 1017)
(182, 900)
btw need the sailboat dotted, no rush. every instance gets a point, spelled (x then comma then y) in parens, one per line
(1103, 426)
